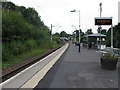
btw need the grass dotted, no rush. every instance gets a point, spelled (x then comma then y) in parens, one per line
(27, 54)
(21, 57)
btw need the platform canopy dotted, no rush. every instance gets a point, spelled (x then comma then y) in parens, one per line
(96, 35)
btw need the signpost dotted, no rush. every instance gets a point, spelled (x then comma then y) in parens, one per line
(106, 21)
(103, 21)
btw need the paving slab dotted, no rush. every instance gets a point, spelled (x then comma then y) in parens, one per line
(79, 70)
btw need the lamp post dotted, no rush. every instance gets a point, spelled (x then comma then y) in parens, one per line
(51, 36)
(112, 39)
(79, 27)
(100, 25)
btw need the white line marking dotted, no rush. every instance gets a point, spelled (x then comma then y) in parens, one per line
(37, 77)
(7, 81)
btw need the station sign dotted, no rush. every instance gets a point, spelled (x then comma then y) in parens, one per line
(103, 21)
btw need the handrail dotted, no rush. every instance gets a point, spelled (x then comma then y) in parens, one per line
(115, 50)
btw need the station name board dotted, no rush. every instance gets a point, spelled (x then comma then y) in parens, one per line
(103, 21)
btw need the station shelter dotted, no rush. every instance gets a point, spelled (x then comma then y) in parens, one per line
(94, 41)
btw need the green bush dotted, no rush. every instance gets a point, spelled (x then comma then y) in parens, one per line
(109, 55)
(17, 47)
(22, 34)
(30, 44)
(56, 38)
(6, 53)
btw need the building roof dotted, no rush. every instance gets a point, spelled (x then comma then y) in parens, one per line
(63, 38)
(96, 35)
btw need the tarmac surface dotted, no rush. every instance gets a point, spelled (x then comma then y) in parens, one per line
(79, 70)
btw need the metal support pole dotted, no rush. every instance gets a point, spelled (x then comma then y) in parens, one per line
(100, 9)
(112, 39)
(87, 42)
(100, 25)
(75, 36)
(79, 31)
(100, 38)
(51, 35)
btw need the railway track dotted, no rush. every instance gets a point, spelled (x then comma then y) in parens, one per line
(14, 69)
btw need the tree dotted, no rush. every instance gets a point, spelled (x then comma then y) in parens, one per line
(23, 32)
(89, 31)
(99, 28)
(32, 17)
(56, 37)
(104, 31)
(77, 35)
(20, 9)
(57, 34)
(63, 34)
(8, 6)
(109, 37)
(116, 36)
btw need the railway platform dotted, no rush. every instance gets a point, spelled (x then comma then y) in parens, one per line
(67, 68)
(40, 68)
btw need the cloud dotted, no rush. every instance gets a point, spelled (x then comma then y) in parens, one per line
(58, 12)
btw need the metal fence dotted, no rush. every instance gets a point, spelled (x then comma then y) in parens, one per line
(115, 50)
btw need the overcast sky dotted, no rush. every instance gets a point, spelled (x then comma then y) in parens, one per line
(57, 12)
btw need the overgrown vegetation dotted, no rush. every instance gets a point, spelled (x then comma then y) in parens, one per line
(109, 56)
(23, 34)
(116, 36)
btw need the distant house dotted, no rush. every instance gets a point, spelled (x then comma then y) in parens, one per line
(64, 39)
